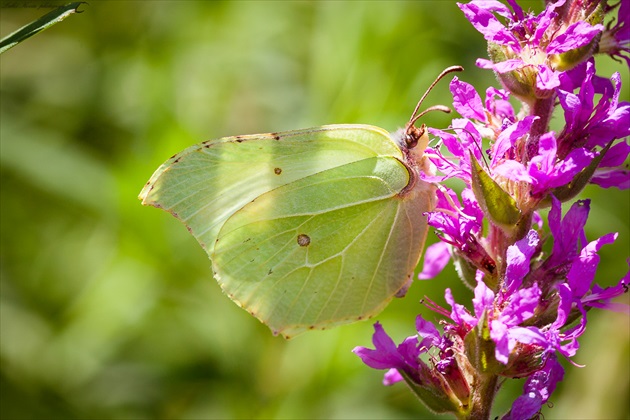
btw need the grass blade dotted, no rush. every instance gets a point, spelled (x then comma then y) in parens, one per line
(39, 25)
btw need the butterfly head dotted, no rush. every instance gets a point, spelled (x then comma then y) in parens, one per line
(417, 137)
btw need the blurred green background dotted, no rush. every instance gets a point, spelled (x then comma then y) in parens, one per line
(109, 310)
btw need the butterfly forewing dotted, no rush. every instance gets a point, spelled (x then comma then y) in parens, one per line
(207, 183)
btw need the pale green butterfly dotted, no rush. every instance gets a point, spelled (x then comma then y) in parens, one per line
(306, 229)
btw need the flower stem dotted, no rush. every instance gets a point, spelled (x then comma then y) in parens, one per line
(484, 390)
(542, 108)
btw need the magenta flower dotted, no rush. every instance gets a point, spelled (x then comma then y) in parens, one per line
(386, 355)
(589, 124)
(529, 43)
(458, 226)
(441, 379)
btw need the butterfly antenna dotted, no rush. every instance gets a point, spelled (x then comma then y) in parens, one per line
(415, 117)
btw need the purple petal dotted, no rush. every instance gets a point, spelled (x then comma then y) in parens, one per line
(575, 36)
(546, 79)
(607, 178)
(436, 257)
(508, 137)
(542, 165)
(498, 333)
(508, 65)
(384, 356)
(571, 105)
(526, 406)
(543, 21)
(514, 171)
(537, 390)
(426, 329)
(497, 103)
(528, 335)
(487, 24)
(467, 101)
(459, 313)
(616, 155)
(391, 377)
(518, 12)
(483, 63)
(518, 258)
(582, 271)
(601, 298)
(566, 232)
(564, 171)
(564, 305)
(484, 297)
(521, 306)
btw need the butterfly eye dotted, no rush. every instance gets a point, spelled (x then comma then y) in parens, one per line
(413, 135)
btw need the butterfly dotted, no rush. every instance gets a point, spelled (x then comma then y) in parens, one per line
(306, 229)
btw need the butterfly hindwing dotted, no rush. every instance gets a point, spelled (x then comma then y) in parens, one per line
(324, 250)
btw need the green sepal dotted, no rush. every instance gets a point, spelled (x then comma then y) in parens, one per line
(39, 25)
(570, 59)
(577, 184)
(480, 348)
(465, 270)
(495, 202)
(436, 400)
(519, 82)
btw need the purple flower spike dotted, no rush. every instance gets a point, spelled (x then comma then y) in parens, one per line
(534, 282)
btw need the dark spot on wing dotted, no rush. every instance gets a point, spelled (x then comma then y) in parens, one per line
(277, 171)
(275, 136)
(270, 272)
(303, 240)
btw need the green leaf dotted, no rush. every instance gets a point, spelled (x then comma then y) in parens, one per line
(496, 203)
(39, 25)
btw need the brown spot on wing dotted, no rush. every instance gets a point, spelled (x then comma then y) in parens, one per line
(303, 240)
